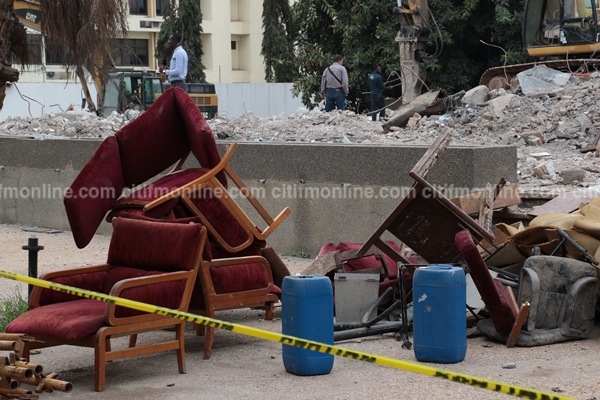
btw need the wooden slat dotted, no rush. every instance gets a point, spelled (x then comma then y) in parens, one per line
(470, 203)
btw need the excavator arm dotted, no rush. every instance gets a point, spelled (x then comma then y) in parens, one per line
(412, 37)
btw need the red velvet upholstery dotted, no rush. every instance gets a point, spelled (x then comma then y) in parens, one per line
(237, 278)
(155, 248)
(162, 135)
(93, 281)
(364, 262)
(93, 191)
(165, 294)
(491, 290)
(142, 149)
(70, 320)
(132, 214)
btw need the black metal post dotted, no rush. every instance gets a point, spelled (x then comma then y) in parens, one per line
(33, 248)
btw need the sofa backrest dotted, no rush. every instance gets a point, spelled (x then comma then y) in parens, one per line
(154, 246)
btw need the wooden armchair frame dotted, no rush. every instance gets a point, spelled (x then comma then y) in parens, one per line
(125, 326)
(261, 298)
(209, 180)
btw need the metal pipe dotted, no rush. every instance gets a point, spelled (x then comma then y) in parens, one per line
(377, 329)
(33, 248)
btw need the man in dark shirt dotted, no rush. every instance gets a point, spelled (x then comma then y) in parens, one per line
(377, 99)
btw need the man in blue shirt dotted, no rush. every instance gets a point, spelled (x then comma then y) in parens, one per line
(377, 99)
(179, 64)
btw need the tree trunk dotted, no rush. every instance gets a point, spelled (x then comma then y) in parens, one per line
(86, 90)
(7, 74)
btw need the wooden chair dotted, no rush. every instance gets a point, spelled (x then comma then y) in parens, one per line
(155, 263)
(425, 220)
(163, 137)
(207, 197)
(230, 283)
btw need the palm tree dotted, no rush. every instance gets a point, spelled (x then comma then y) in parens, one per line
(85, 27)
(12, 45)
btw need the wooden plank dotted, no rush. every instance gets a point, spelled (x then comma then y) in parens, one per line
(470, 203)
(518, 325)
(565, 203)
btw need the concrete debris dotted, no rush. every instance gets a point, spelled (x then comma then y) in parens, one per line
(541, 78)
(552, 125)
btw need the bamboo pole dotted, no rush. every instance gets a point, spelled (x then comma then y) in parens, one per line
(8, 345)
(8, 383)
(36, 368)
(18, 373)
(48, 383)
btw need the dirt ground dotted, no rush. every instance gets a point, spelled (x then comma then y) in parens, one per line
(244, 367)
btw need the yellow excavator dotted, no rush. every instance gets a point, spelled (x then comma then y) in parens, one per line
(555, 28)
(127, 88)
(564, 29)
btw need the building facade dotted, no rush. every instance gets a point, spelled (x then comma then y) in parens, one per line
(231, 38)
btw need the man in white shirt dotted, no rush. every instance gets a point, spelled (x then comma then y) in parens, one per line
(179, 64)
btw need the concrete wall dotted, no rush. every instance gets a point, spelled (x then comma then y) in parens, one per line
(336, 192)
(262, 99)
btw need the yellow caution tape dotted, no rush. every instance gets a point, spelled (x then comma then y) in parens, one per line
(293, 341)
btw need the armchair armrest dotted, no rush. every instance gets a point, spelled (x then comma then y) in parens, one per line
(109, 313)
(36, 293)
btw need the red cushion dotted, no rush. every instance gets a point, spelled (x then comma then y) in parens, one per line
(364, 262)
(237, 278)
(94, 282)
(220, 218)
(153, 246)
(93, 191)
(166, 294)
(206, 253)
(491, 290)
(162, 135)
(230, 279)
(71, 320)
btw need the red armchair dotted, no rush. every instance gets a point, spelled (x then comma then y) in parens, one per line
(155, 263)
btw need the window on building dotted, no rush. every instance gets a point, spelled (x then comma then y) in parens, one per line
(161, 7)
(233, 45)
(57, 54)
(138, 7)
(130, 52)
(34, 43)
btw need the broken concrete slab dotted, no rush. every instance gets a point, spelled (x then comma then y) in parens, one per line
(478, 95)
(541, 77)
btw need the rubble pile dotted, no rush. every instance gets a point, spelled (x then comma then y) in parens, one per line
(548, 126)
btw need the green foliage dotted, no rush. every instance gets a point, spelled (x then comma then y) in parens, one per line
(10, 308)
(278, 41)
(185, 19)
(364, 31)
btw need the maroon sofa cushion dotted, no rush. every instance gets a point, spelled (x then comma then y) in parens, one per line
(153, 247)
(94, 282)
(206, 252)
(171, 128)
(93, 191)
(162, 135)
(491, 290)
(70, 320)
(165, 294)
(364, 262)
